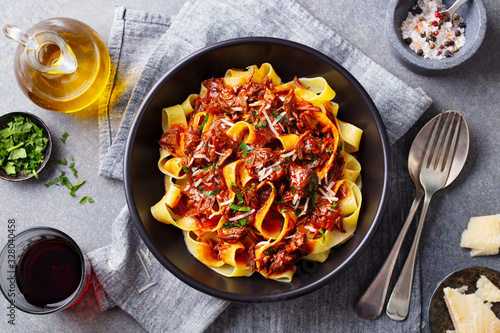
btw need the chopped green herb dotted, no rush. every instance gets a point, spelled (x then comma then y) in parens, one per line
(203, 123)
(21, 146)
(208, 194)
(250, 188)
(341, 146)
(53, 182)
(233, 184)
(64, 137)
(262, 124)
(323, 234)
(240, 223)
(267, 252)
(314, 180)
(185, 169)
(276, 168)
(75, 187)
(246, 148)
(65, 181)
(298, 212)
(284, 210)
(293, 189)
(280, 117)
(85, 199)
(334, 205)
(328, 149)
(313, 197)
(62, 161)
(72, 168)
(240, 197)
(239, 208)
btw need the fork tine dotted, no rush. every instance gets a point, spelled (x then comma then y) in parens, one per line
(453, 144)
(445, 152)
(439, 147)
(431, 146)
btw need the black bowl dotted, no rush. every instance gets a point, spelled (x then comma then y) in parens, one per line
(8, 117)
(144, 184)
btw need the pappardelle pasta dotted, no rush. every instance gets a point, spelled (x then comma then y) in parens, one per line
(259, 174)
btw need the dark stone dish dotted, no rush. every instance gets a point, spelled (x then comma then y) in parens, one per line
(4, 120)
(144, 184)
(439, 317)
(474, 15)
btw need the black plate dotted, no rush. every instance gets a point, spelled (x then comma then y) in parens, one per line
(144, 182)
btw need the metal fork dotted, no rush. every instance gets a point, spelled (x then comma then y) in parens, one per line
(434, 172)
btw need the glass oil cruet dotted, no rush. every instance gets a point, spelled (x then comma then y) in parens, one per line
(61, 64)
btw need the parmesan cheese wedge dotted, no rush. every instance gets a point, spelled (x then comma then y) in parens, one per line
(469, 313)
(482, 235)
(487, 291)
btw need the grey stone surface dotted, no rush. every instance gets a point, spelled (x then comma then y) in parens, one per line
(473, 90)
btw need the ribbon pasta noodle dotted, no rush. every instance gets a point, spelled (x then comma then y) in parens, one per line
(259, 174)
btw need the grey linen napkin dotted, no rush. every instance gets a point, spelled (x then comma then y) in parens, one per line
(144, 46)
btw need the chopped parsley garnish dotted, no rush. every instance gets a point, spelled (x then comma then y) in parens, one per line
(64, 137)
(250, 188)
(314, 180)
(298, 212)
(239, 208)
(280, 117)
(313, 197)
(334, 205)
(75, 187)
(62, 161)
(245, 148)
(322, 234)
(329, 150)
(293, 189)
(72, 168)
(208, 194)
(341, 146)
(233, 184)
(284, 210)
(85, 199)
(64, 181)
(185, 169)
(262, 124)
(276, 168)
(203, 123)
(240, 197)
(21, 146)
(240, 223)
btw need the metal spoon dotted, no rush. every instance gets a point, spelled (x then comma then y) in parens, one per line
(443, 151)
(450, 11)
(372, 302)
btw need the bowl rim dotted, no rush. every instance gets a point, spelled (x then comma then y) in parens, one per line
(431, 66)
(47, 151)
(243, 297)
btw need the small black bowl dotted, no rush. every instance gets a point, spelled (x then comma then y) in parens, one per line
(4, 120)
(144, 183)
(439, 318)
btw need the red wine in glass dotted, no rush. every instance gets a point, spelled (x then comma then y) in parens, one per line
(49, 271)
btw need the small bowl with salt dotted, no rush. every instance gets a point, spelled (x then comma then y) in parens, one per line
(429, 43)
